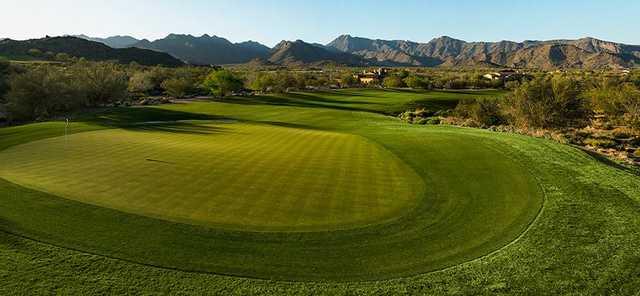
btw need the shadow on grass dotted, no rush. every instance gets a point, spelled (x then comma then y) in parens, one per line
(606, 161)
(193, 128)
(434, 105)
(151, 119)
(298, 100)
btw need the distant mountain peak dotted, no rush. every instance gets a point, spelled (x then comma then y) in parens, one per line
(299, 52)
(207, 49)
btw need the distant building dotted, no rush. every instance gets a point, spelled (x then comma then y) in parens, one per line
(367, 77)
(503, 75)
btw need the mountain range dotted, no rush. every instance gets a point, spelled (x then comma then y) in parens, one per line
(206, 50)
(82, 48)
(446, 51)
(586, 53)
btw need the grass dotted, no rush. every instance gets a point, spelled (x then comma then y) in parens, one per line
(482, 190)
(242, 176)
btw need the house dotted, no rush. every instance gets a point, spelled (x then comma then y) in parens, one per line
(503, 75)
(367, 77)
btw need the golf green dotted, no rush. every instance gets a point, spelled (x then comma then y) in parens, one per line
(239, 176)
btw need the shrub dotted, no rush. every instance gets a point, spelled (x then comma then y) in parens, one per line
(141, 83)
(177, 87)
(416, 116)
(41, 91)
(481, 112)
(433, 120)
(393, 82)
(222, 82)
(600, 142)
(100, 83)
(414, 81)
(619, 102)
(547, 103)
(348, 80)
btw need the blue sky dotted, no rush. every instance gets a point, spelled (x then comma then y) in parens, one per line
(269, 21)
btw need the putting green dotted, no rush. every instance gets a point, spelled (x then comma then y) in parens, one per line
(239, 176)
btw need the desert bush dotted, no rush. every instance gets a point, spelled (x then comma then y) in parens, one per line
(177, 87)
(481, 112)
(600, 142)
(619, 102)
(432, 120)
(100, 83)
(40, 92)
(547, 102)
(511, 85)
(416, 116)
(141, 83)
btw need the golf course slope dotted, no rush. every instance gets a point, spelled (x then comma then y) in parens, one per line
(314, 193)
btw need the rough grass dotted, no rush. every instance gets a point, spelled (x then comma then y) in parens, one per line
(583, 242)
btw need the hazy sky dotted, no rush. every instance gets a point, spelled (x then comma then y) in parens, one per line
(269, 21)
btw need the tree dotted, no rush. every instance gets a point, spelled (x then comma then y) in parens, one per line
(261, 81)
(100, 83)
(176, 87)
(393, 82)
(415, 81)
(41, 91)
(348, 80)
(141, 83)
(222, 82)
(547, 102)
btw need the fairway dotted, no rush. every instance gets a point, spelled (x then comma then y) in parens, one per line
(308, 191)
(239, 176)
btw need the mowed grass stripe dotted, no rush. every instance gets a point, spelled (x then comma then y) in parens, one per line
(238, 176)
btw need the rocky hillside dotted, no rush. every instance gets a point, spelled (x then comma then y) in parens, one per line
(290, 53)
(446, 51)
(81, 48)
